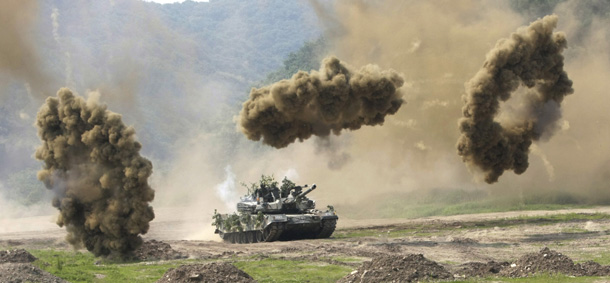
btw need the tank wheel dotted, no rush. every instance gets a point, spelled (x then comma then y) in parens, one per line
(328, 227)
(258, 236)
(272, 232)
(250, 237)
(242, 237)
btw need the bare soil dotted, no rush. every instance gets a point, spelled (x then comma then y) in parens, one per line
(491, 244)
(410, 268)
(157, 250)
(216, 272)
(16, 256)
(15, 267)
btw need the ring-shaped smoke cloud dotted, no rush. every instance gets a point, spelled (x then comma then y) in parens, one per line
(531, 57)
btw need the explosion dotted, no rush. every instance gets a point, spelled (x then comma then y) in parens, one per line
(93, 166)
(331, 99)
(531, 57)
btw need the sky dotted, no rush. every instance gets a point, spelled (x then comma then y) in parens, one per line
(172, 1)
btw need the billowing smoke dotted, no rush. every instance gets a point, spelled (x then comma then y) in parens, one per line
(100, 181)
(316, 103)
(531, 57)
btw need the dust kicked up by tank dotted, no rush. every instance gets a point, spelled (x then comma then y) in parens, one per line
(531, 57)
(93, 166)
(332, 99)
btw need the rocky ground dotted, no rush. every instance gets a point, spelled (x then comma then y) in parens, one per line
(439, 248)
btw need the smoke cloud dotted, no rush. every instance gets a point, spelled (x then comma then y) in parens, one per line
(532, 58)
(93, 166)
(226, 190)
(331, 99)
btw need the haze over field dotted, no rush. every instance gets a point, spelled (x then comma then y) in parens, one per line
(180, 73)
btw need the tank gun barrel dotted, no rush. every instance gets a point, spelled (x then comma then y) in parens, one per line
(306, 192)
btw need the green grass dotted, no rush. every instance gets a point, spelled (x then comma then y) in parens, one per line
(347, 259)
(602, 258)
(76, 266)
(278, 270)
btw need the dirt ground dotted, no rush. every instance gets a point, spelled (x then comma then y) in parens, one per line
(468, 244)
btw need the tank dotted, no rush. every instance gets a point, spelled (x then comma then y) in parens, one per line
(268, 213)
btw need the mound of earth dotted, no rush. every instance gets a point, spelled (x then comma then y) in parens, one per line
(157, 250)
(410, 268)
(15, 256)
(216, 272)
(26, 272)
(480, 269)
(549, 261)
(592, 268)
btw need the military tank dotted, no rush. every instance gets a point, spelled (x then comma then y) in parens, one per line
(268, 213)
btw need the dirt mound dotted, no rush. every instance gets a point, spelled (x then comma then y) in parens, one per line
(410, 268)
(216, 272)
(592, 268)
(157, 250)
(549, 261)
(26, 272)
(480, 269)
(19, 255)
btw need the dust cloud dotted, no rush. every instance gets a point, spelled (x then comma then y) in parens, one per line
(18, 54)
(332, 99)
(93, 166)
(532, 57)
(438, 46)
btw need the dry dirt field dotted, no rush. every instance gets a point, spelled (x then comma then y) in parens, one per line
(449, 241)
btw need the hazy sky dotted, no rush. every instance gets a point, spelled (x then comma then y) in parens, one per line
(172, 1)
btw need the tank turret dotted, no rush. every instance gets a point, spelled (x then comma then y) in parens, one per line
(306, 192)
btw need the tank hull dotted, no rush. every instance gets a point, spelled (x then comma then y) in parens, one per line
(253, 228)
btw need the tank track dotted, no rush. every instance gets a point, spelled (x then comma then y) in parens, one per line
(274, 231)
(269, 234)
(328, 227)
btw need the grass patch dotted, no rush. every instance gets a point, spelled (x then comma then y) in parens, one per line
(347, 259)
(278, 270)
(76, 266)
(602, 258)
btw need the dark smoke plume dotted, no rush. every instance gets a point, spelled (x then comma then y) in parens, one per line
(316, 103)
(92, 164)
(531, 57)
